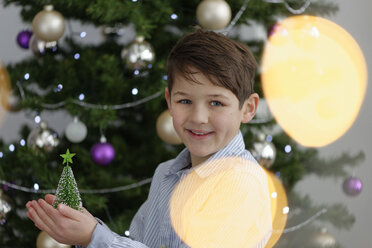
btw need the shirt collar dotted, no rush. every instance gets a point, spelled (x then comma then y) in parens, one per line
(233, 149)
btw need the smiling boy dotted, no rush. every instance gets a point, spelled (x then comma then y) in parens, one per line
(209, 94)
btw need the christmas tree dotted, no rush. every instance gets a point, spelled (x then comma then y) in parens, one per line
(121, 129)
(67, 190)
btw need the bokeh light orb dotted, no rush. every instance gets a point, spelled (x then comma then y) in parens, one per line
(278, 206)
(314, 79)
(227, 202)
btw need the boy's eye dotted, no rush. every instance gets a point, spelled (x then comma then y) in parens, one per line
(216, 103)
(184, 101)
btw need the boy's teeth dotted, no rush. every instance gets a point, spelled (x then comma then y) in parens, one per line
(198, 133)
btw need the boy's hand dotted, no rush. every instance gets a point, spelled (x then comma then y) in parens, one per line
(65, 225)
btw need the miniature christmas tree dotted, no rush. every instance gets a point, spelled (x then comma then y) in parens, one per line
(67, 190)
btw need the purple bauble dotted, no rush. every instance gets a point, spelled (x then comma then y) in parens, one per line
(102, 153)
(23, 38)
(352, 186)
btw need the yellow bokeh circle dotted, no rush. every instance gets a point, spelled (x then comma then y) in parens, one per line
(314, 79)
(228, 202)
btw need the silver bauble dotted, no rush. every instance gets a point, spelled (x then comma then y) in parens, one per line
(76, 131)
(40, 47)
(264, 152)
(165, 129)
(139, 54)
(43, 138)
(45, 241)
(322, 239)
(48, 24)
(213, 14)
(5, 207)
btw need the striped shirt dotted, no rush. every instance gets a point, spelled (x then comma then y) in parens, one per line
(183, 203)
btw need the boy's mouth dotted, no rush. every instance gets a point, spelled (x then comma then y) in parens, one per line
(199, 133)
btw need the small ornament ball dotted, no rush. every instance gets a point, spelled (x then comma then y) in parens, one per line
(138, 55)
(45, 241)
(165, 129)
(76, 131)
(48, 25)
(322, 239)
(43, 138)
(264, 152)
(102, 153)
(213, 14)
(352, 186)
(40, 47)
(5, 207)
(23, 38)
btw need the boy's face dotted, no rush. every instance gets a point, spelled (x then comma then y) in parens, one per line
(205, 116)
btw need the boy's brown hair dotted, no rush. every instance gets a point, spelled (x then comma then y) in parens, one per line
(225, 62)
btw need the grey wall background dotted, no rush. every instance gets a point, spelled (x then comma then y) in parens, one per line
(353, 16)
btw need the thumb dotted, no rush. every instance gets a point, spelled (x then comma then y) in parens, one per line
(69, 212)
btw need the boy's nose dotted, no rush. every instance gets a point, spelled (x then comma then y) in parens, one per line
(199, 114)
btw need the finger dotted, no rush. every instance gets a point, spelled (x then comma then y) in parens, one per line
(49, 198)
(70, 212)
(48, 218)
(32, 214)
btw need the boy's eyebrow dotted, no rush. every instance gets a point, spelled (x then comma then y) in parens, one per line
(180, 93)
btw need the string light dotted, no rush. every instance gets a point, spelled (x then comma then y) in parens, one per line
(36, 187)
(1, 154)
(285, 210)
(81, 97)
(22, 142)
(37, 119)
(287, 148)
(134, 91)
(76, 56)
(83, 34)
(27, 76)
(11, 147)
(174, 16)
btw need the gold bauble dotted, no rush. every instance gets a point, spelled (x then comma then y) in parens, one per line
(165, 129)
(45, 241)
(48, 24)
(213, 14)
(322, 239)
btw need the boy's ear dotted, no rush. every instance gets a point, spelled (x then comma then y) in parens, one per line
(168, 99)
(250, 107)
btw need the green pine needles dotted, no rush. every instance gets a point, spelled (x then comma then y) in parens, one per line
(67, 190)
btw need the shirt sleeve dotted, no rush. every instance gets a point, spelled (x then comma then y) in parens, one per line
(103, 237)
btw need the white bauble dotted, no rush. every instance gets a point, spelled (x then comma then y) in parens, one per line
(213, 14)
(76, 131)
